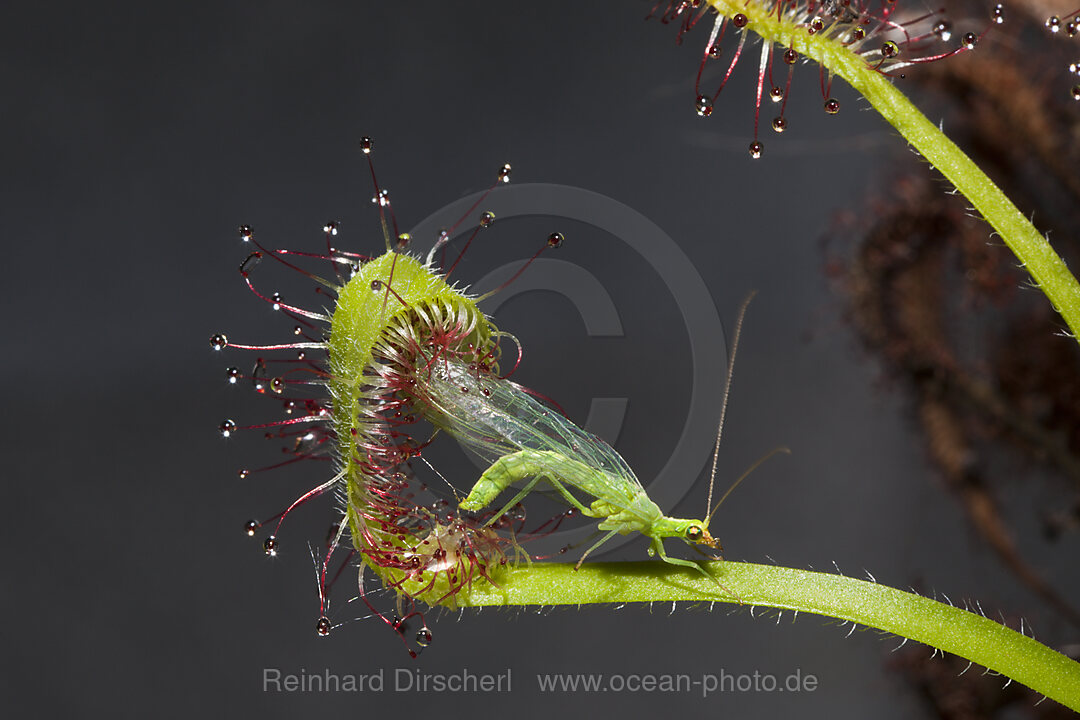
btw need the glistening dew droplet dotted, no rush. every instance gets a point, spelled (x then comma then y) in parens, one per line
(258, 376)
(227, 428)
(703, 106)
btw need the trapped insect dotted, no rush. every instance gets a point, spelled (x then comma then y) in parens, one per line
(527, 441)
(401, 345)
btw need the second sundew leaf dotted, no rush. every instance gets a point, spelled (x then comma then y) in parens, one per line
(867, 48)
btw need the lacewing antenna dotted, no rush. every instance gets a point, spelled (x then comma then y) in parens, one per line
(724, 402)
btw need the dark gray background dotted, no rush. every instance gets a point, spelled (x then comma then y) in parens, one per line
(137, 137)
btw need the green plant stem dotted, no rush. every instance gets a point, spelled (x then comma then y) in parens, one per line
(1047, 269)
(933, 623)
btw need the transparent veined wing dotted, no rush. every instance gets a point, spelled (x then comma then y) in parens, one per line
(493, 417)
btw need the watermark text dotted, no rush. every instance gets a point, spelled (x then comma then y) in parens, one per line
(705, 683)
(277, 680)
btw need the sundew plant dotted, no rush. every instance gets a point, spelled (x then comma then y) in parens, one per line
(400, 357)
